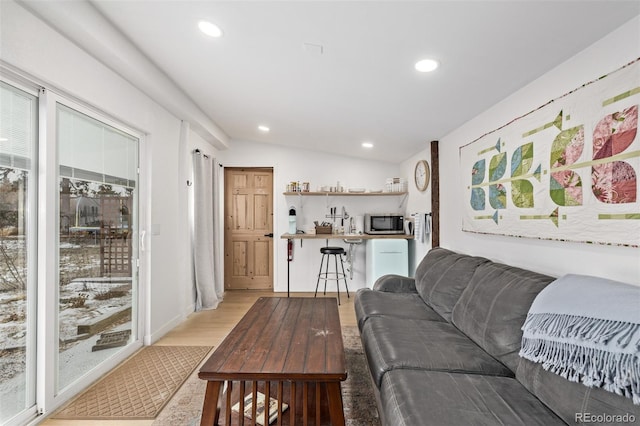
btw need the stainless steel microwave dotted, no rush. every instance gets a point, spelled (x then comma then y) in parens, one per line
(383, 224)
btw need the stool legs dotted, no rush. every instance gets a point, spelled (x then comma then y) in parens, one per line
(337, 277)
(346, 286)
(319, 275)
(325, 275)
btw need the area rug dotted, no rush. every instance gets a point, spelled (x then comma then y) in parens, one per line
(359, 402)
(140, 387)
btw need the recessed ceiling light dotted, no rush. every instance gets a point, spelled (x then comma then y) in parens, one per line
(4, 140)
(210, 29)
(263, 129)
(367, 145)
(426, 65)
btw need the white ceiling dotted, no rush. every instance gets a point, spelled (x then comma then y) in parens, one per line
(363, 87)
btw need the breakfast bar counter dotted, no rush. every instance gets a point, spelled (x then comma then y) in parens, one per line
(351, 239)
(345, 236)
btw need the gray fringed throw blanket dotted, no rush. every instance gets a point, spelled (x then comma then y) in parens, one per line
(587, 329)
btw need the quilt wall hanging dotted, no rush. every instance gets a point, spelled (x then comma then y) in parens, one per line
(565, 171)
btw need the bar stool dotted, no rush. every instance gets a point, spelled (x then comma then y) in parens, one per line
(326, 275)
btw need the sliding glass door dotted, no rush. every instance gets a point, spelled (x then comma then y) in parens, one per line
(69, 302)
(18, 136)
(97, 260)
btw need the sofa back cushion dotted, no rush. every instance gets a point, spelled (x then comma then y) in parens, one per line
(573, 402)
(493, 307)
(442, 276)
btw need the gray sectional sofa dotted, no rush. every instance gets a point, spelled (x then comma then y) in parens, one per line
(443, 349)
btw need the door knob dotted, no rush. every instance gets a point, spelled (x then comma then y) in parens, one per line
(270, 235)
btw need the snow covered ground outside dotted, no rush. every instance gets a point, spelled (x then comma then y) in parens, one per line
(83, 296)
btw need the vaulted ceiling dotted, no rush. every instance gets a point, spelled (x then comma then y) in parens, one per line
(329, 75)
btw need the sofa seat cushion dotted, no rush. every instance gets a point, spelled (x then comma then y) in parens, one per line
(369, 303)
(396, 343)
(419, 397)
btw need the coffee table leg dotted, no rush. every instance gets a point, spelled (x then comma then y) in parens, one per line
(336, 412)
(210, 410)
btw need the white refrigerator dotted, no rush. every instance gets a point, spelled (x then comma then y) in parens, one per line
(386, 256)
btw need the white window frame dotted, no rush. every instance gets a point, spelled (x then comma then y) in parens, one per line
(33, 316)
(48, 245)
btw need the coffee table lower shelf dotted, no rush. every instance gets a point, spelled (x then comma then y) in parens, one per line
(315, 403)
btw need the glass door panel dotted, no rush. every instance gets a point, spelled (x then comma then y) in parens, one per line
(18, 134)
(97, 288)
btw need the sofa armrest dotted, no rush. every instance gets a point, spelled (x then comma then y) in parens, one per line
(395, 284)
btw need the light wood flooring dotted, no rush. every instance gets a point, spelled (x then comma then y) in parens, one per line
(209, 328)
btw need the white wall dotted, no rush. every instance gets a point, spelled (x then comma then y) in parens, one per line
(551, 257)
(318, 169)
(418, 202)
(30, 46)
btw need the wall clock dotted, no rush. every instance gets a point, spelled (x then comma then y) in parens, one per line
(421, 175)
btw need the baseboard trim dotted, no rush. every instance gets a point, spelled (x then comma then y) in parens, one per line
(167, 327)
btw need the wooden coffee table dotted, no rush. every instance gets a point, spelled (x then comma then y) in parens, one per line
(290, 349)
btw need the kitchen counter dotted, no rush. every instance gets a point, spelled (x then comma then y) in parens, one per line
(351, 239)
(345, 236)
